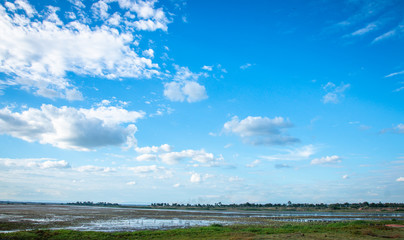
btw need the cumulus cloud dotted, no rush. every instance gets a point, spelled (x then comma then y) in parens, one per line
(334, 93)
(185, 86)
(400, 179)
(71, 128)
(261, 130)
(326, 160)
(38, 51)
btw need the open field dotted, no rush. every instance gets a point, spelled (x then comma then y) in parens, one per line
(38, 221)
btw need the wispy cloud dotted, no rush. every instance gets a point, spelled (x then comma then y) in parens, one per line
(253, 163)
(295, 154)
(398, 31)
(394, 74)
(245, 66)
(399, 128)
(280, 166)
(370, 27)
(334, 93)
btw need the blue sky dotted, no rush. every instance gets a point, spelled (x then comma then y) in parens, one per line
(135, 101)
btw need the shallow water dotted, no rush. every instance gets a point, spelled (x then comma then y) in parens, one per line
(141, 224)
(108, 219)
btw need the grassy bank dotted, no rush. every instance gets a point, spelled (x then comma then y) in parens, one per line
(275, 230)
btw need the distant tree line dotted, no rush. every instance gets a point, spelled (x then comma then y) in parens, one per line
(363, 205)
(89, 203)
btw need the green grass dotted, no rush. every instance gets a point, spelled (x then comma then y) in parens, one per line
(272, 230)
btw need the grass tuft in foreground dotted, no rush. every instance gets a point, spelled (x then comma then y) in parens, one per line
(272, 230)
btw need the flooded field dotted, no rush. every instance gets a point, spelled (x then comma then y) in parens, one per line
(14, 217)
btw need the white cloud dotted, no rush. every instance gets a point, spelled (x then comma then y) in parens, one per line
(176, 185)
(296, 154)
(146, 157)
(42, 163)
(334, 93)
(260, 130)
(245, 66)
(346, 176)
(77, 3)
(196, 178)
(37, 51)
(370, 27)
(326, 160)
(100, 9)
(149, 53)
(199, 156)
(207, 68)
(71, 128)
(23, 4)
(131, 183)
(154, 149)
(145, 169)
(282, 165)
(253, 163)
(151, 170)
(399, 128)
(228, 145)
(180, 91)
(54, 164)
(394, 74)
(114, 20)
(150, 18)
(92, 169)
(185, 86)
(235, 179)
(165, 154)
(194, 92)
(400, 179)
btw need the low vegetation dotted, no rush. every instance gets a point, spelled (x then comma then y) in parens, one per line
(272, 230)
